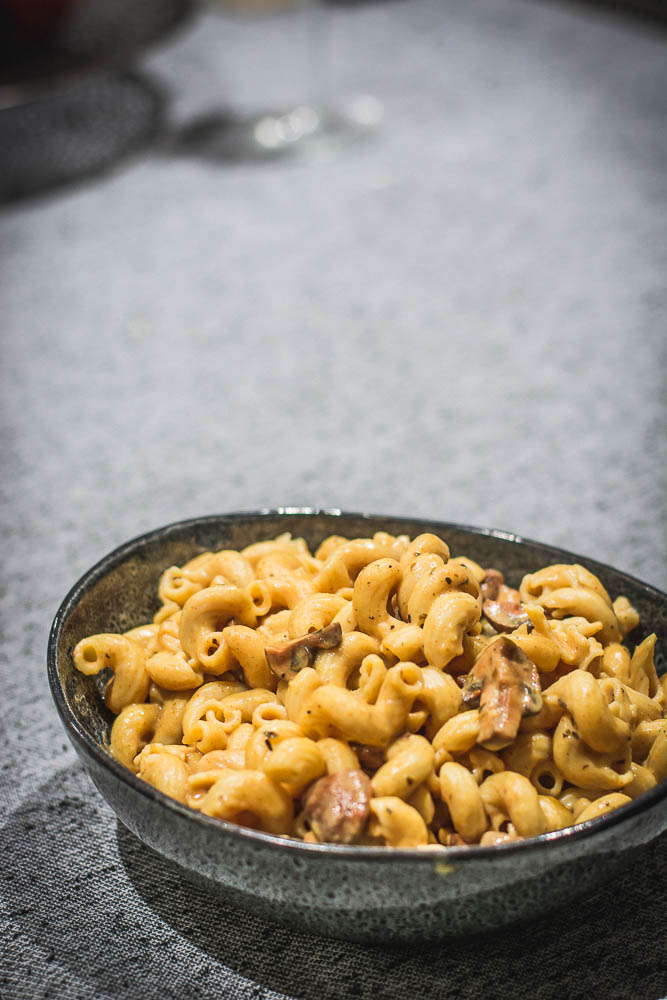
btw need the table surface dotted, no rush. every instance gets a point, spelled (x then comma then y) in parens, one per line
(461, 316)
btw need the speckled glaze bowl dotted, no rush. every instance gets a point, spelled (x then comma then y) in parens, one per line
(360, 893)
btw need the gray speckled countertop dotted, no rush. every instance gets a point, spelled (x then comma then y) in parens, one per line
(461, 317)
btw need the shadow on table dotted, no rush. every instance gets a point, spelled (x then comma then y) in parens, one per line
(109, 913)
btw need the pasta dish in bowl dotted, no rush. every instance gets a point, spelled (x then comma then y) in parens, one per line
(373, 727)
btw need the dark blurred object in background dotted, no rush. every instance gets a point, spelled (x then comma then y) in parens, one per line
(33, 18)
(29, 34)
(76, 132)
(653, 9)
(44, 41)
(645, 9)
(70, 103)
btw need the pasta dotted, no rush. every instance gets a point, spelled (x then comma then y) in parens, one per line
(383, 692)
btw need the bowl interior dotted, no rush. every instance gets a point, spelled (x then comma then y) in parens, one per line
(120, 591)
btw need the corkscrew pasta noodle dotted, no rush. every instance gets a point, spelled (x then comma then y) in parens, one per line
(385, 692)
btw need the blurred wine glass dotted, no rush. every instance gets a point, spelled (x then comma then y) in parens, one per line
(292, 121)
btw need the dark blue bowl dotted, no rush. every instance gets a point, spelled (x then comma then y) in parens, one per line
(360, 893)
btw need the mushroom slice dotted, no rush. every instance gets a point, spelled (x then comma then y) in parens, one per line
(505, 615)
(287, 659)
(502, 605)
(506, 684)
(370, 758)
(491, 584)
(336, 807)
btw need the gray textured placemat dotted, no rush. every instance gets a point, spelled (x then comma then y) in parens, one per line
(462, 318)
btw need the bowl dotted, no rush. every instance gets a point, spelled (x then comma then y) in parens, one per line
(352, 892)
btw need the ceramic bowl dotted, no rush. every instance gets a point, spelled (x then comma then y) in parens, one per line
(361, 893)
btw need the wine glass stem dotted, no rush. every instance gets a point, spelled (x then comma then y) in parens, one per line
(318, 49)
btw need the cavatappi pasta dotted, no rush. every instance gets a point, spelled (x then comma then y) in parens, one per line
(385, 692)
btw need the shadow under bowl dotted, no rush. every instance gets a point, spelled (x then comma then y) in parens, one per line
(357, 893)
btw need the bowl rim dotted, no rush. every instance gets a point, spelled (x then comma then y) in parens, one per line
(430, 854)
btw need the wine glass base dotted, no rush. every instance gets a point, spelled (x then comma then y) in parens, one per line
(305, 131)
